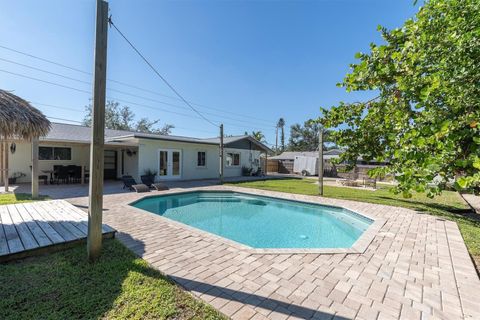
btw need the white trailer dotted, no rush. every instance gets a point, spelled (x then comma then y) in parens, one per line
(306, 166)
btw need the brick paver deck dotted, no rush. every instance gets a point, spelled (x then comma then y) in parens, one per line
(416, 266)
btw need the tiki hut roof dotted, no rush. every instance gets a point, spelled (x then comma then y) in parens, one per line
(19, 120)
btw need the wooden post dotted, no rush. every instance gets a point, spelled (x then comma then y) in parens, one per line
(35, 168)
(266, 163)
(5, 166)
(221, 154)
(320, 161)
(1, 164)
(94, 237)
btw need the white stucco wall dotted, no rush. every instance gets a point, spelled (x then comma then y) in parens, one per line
(21, 160)
(245, 160)
(148, 158)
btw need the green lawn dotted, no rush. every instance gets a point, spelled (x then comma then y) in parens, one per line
(64, 285)
(10, 198)
(449, 205)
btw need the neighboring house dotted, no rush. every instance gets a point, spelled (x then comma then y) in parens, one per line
(132, 153)
(286, 160)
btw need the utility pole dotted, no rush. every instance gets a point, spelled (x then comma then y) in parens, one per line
(221, 154)
(276, 139)
(320, 161)
(95, 200)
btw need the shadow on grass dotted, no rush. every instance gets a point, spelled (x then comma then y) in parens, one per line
(119, 285)
(64, 285)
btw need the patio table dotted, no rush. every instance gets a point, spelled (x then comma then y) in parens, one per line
(51, 174)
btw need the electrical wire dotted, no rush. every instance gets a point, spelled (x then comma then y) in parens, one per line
(120, 91)
(120, 82)
(118, 99)
(158, 73)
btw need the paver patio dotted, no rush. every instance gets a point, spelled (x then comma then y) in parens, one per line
(416, 266)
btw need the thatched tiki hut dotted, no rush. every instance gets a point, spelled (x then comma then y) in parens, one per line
(20, 121)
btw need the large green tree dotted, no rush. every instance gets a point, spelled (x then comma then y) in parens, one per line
(305, 138)
(122, 118)
(425, 120)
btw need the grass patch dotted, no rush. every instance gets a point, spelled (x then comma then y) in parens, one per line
(65, 285)
(450, 205)
(12, 198)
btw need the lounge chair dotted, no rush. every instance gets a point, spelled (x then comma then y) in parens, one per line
(130, 184)
(148, 181)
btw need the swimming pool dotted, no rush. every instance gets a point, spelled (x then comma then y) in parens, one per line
(261, 222)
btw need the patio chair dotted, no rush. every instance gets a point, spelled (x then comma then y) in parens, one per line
(62, 174)
(130, 184)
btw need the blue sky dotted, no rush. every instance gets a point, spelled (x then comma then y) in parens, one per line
(247, 63)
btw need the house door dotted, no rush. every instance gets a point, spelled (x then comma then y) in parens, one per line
(110, 164)
(169, 163)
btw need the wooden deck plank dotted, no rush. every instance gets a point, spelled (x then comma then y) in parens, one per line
(51, 233)
(39, 227)
(78, 219)
(36, 230)
(13, 240)
(82, 214)
(28, 240)
(3, 240)
(59, 226)
(60, 217)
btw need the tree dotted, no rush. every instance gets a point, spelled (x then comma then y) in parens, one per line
(305, 138)
(122, 118)
(257, 135)
(426, 119)
(281, 126)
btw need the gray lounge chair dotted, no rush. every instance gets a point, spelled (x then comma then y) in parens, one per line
(130, 183)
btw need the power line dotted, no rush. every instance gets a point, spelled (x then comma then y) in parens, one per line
(159, 75)
(122, 83)
(120, 91)
(62, 119)
(117, 99)
(45, 81)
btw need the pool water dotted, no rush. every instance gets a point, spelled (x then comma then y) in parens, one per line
(261, 222)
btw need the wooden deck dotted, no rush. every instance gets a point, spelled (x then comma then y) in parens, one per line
(38, 227)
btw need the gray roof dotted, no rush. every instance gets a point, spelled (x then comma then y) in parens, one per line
(82, 134)
(290, 155)
(76, 133)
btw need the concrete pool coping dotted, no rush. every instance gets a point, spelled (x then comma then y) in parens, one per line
(359, 246)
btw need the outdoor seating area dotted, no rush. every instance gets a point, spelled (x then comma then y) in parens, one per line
(64, 175)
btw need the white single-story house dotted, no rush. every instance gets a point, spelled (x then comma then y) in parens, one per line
(133, 153)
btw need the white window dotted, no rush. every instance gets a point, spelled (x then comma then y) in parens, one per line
(201, 159)
(233, 159)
